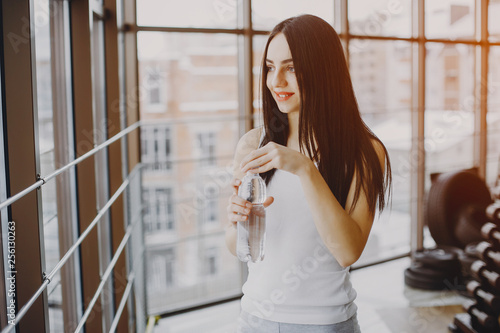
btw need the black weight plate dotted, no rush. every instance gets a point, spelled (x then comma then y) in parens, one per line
(441, 258)
(432, 272)
(450, 194)
(414, 281)
(450, 280)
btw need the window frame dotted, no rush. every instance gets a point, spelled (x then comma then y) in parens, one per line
(417, 57)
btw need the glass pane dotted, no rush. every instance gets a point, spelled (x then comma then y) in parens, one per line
(380, 17)
(266, 14)
(493, 22)
(47, 161)
(449, 114)
(381, 76)
(188, 13)
(493, 118)
(450, 19)
(55, 301)
(188, 143)
(197, 74)
(184, 216)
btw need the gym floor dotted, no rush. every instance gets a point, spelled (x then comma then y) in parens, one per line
(385, 305)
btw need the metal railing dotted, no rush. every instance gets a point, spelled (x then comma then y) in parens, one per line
(105, 277)
(48, 277)
(42, 180)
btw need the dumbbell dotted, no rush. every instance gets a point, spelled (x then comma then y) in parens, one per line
(492, 301)
(479, 317)
(488, 254)
(456, 208)
(493, 212)
(491, 232)
(480, 272)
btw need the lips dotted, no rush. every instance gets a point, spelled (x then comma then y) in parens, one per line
(283, 96)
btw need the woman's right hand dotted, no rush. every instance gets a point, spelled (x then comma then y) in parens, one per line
(239, 208)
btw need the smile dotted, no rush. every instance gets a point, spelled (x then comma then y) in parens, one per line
(283, 96)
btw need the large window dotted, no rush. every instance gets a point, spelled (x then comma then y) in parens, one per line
(196, 70)
(426, 75)
(381, 76)
(187, 148)
(493, 26)
(450, 19)
(450, 107)
(188, 13)
(70, 260)
(266, 14)
(379, 18)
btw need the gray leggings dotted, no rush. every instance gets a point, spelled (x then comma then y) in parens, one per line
(248, 323)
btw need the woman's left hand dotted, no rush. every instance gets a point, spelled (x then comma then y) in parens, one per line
(273, 155)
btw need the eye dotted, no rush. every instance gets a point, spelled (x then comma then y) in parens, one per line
(291, 69)
(270, 68)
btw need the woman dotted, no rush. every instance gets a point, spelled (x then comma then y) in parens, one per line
(326, 174)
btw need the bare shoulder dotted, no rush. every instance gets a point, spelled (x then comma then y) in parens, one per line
(247, 143)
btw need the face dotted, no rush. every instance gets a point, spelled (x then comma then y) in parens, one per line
(281, 80)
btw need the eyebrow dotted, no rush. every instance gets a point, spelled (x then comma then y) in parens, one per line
(283, 62)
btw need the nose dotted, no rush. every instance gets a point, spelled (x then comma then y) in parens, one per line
(278, 78)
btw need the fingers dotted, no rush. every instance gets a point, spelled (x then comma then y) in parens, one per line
(236, 183)
(235, 199)
(239, 205)
(253, 155)
(238, 208)
(268, 202)
(258, 168)
(235, 218)
(237, 212)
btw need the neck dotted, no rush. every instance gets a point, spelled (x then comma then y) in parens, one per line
(293, 135)
(293, 125)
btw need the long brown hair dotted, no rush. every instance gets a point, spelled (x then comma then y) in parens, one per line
(328, 113)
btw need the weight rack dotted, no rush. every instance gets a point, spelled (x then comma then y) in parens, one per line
(482, 312)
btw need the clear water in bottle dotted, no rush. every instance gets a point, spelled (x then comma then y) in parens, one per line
(252, 232)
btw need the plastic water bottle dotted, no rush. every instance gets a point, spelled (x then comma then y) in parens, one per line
(252, 232)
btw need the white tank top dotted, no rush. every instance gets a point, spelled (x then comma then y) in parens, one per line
(299, 281)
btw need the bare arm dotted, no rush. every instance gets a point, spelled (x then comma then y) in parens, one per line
(344, 234)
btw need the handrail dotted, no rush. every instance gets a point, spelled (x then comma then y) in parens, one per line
(42, 181)
(105, 277)
(190, 120)
(123, 301)
(67, 255)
